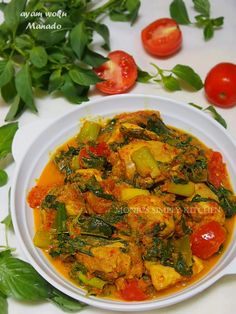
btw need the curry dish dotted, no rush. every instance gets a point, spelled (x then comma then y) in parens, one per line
(131, 208)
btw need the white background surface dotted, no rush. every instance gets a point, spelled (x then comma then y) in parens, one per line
(220, 298)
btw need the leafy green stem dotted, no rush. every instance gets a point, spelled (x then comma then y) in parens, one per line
(103, 9)
(15, 48)
(172, 79)
(178, 11)
(159, 70)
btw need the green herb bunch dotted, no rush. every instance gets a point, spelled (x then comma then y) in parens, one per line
(46, 45)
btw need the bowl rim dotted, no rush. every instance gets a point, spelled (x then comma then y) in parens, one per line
(198, 286)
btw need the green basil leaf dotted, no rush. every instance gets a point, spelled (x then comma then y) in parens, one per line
(56, 80)
(8, 91)
(3, 64)
(208, 31)
(213, 112)
(20, 280)
(69, 53)
(74, 93)
(143, 76)
(93, 58)
(24, 41)
(38, 56)
(195, 106)
(3, 304)
(4, 31)
(79, 39)
(84, 77)
(57, 56)
(179, 12)
(65, 302)
(119, 17)
(17, 107)
(3, 177)
(61, 217)
(103, 31)
(133, 8)
(12, 13)
(24, 87)
(40, 77)
(7, 133)
(2, 41)
(188, 75)
(202, 6)
(37, 73)
(7, 74)
(219, 21)
(7, 221)
(4, 254)
(2, 6)
(217, 116)
(125, 11)
(48, 37)
(32, 5)
(171, 83)
(201, 20)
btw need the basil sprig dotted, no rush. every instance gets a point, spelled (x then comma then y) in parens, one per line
(19, 280)
(214, 113)
(178, 12)
(173, 79)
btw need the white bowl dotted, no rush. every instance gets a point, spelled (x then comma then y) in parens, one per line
(31, 162)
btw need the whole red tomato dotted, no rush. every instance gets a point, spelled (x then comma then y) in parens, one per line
(220, 85)
(162, 38)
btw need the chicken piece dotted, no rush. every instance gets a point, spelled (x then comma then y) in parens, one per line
(71, 197)
(149, 215)
(116, 136)
(131, 129)
(124, 192)
(197, 265)
(136, 267)
(138, 117)
(118, 169)
(97, 204)
(162, 276)
(109, 261)
(135, 131)
(160, 151)
(202, 212)
(125, 155)
(89, 173)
